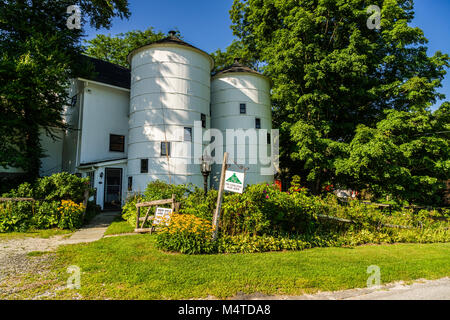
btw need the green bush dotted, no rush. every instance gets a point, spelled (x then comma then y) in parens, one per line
(46, 215)
(61, 186)
(263, 209)
(16, 216)
(252, 244)
(265, 219)
(51, 192)
(198, 205)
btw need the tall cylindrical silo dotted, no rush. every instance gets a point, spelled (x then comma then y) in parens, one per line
(240, 100)
(170, 90)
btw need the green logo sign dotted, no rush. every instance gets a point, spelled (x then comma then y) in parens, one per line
(234, 179)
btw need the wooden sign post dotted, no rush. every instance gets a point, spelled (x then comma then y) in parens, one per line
(216, 217)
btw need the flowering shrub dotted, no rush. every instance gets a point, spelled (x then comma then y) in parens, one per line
(15, 216)
(186, 234)
(71, 215)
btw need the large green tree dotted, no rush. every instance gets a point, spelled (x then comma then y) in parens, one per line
(38, 56)
(332, 73)
(236, 50)
(406, 155)
(115, 49)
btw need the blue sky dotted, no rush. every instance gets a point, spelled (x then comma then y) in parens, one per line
(206, 23)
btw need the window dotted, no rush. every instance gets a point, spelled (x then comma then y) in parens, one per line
(116, 143)
(91, 176)
(130, 183)
(144, 165)
(243, 108)
(203, 120)
(269, 139)
(165, 149)
(188, 134)
(258, 123)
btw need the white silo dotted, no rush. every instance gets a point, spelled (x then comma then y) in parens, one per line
(240, 99)
(170, 90)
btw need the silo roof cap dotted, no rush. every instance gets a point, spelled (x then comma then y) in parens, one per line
(171, 39)
(237, 66)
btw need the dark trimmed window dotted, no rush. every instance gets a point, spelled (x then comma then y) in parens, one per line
(258, 123)
(165, 149)
(116, 143)
(130, 183)
(269, 138)
(243, 108)
(144, 165)
(188, 134)
(203, 118)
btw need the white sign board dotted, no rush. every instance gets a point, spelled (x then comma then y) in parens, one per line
(162, 215)
(234, 181)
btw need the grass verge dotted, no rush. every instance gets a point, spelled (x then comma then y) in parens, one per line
(132, 268)
(119, 226)
(45, 234)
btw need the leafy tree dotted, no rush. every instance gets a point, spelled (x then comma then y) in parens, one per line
(332, 73)
(406, 155)
(224, 59)
(115, 49)
(38, 56)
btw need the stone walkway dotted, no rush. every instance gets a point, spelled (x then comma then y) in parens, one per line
(95, 230)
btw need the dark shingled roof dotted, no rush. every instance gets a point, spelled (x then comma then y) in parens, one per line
(237, 67)
(172, 38)
(110, 73)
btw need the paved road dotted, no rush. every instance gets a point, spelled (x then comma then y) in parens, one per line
(430, 290)
(420, 290)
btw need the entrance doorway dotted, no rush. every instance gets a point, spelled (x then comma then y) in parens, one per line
(113, 189)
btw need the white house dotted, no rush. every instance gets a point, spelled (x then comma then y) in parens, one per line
(131, 127)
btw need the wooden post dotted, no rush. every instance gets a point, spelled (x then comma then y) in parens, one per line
(85, 202)
(137, 218)
(173, 203)
(216, 217)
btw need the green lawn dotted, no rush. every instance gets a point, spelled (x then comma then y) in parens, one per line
(119, 226)
(132, 268)
(45, 234)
